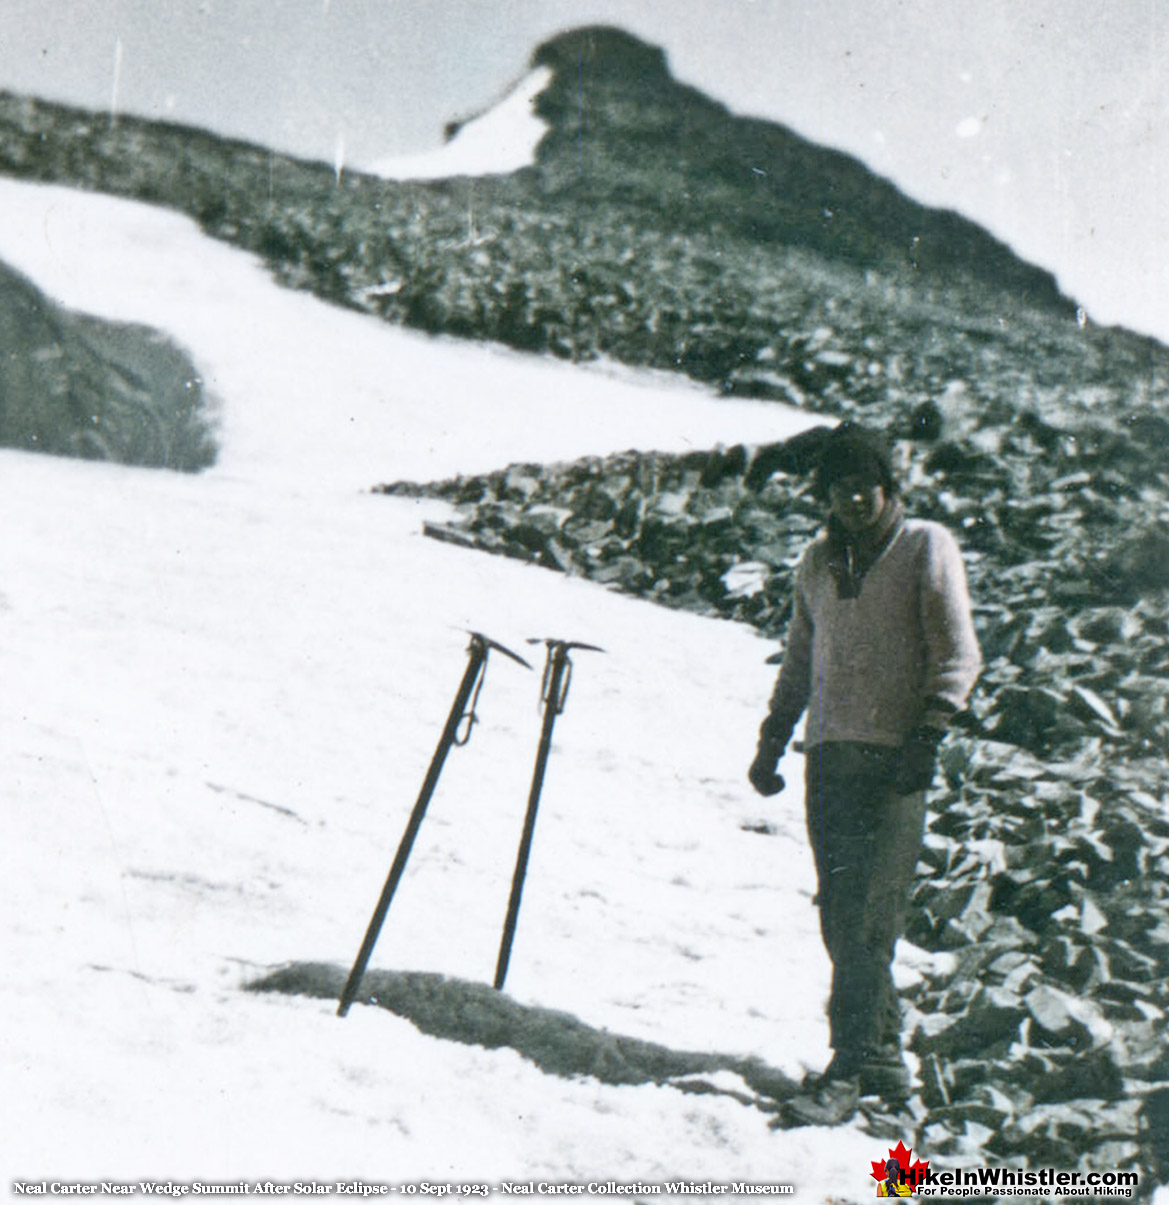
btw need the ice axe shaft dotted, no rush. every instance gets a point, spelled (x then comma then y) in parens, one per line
(554, 692)
(460, 713)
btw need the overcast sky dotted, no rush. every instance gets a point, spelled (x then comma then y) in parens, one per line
(1047, 121)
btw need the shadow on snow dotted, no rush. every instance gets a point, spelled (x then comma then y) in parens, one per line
(556, 1042)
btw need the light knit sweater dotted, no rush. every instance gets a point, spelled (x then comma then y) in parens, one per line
(901, 654)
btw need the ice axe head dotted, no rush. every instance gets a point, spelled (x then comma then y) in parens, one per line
(558, 669)
(485, 642)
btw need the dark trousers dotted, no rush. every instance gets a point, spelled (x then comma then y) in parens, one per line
(866, 839)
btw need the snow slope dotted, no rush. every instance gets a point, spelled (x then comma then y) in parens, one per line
(502, 140)
(221, 695)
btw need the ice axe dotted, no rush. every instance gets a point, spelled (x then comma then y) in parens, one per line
(457, 731)
(553, 693)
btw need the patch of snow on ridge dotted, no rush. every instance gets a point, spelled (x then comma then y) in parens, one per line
(502, 140)
(314, 396)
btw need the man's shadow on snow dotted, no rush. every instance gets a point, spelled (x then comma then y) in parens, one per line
(556, 1042)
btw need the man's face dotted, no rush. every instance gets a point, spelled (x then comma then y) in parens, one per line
(856, 502)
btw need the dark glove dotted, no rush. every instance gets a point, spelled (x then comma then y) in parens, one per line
(917, 761)
(763, 774)
(774, 734)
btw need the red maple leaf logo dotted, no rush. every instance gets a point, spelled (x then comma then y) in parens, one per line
(914, 1172)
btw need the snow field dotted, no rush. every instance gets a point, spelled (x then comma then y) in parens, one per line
(221, 696)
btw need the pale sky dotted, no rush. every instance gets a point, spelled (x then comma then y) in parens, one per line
(1046, 121)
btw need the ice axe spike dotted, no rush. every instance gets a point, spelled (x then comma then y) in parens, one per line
(470, 685)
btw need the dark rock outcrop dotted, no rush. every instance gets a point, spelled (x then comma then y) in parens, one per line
(76, 386)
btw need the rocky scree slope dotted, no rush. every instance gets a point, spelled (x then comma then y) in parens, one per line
(1044, 886)
(655, 228)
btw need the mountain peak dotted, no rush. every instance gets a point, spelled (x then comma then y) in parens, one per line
(605, 50)
(619, 124)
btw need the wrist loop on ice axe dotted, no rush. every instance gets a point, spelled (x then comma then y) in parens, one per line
(468, 717)
(456, 732)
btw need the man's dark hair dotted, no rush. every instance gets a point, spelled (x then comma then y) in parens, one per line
(852, 450)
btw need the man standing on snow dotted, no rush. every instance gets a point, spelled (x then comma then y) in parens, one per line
(881, 653)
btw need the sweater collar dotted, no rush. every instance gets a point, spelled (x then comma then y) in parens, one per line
(850, 557)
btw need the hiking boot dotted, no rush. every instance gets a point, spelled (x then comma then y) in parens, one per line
(827, 1099)
(827, 1102)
